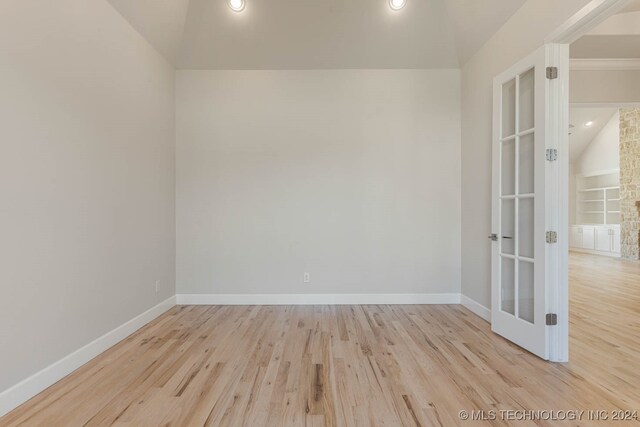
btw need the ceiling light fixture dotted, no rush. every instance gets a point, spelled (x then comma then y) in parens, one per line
(236, 5)
(397, 4)
(589, 124)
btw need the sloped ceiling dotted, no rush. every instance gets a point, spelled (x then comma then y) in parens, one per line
(476, 21)
(581, 136)
(160, 22)
(308, 34)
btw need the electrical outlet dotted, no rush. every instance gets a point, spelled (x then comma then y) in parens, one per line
(307, 278)
(157, 285)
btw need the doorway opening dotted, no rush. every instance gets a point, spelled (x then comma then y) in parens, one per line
(604, 196)
(600, 191)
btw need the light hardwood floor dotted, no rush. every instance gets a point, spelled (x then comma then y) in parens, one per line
(353, 365)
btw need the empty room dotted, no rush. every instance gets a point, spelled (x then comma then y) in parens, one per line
(319, 213)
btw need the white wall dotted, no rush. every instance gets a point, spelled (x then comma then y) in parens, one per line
(521, 35)
(86, 179)
(603, 152)
(351, 175)
(604, 86)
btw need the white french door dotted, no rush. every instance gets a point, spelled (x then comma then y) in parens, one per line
(519, 203)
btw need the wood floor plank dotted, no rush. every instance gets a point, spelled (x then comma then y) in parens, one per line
(353, 365)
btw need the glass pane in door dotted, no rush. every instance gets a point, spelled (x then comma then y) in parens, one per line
(526, 100)
(509, 108)
(508, 228)
(507, 294)
(526, 163)
(508, 179)
(525, 291)
(525, 227)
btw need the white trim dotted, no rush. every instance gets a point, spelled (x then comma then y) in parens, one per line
(476, 308)
(315, 299)
(557, 290)
(29, 387)
(585, 20)
(604, 64)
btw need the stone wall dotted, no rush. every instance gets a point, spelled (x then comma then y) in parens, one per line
(630, 182)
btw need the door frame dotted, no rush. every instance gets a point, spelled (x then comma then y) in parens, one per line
(557, 187)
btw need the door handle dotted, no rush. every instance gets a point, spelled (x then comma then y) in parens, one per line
(507, 237)
(493, 237)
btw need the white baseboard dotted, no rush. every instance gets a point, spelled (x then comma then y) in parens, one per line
(26, 389)
(476, 308)
(315, 299)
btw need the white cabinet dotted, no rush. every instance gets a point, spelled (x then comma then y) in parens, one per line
(602, 239)
(615, 240)
(575, 237)
(582, 237)
(588, 238)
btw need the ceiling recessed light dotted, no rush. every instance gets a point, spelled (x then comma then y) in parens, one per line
(236, 5)
(589, 124)
(397, 4)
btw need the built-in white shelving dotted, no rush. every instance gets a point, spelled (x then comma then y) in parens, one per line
(598, 198)
(597, 226)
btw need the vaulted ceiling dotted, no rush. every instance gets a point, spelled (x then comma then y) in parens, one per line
(161, 22)
(307, 34)
(580, 135)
